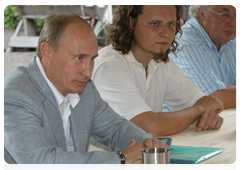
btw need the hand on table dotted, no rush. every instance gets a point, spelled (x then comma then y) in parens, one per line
(209, 103)
(154, 143)
(209, 121)
(134, 150)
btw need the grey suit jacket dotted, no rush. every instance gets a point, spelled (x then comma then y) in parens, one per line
(33, 129)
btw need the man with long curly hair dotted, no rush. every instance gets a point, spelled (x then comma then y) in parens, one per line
(135, 76)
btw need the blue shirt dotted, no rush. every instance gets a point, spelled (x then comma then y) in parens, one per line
(199, 59)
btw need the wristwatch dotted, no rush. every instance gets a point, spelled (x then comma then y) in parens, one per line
(122, 157)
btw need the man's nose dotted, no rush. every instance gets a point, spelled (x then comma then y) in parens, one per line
(87, 69)
(164, 32)
(232, 21)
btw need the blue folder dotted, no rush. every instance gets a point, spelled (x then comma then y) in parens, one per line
(192, 155)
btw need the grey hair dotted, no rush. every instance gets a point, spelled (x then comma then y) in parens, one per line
(193, 10)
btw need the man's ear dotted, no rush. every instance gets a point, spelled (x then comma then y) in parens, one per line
(45, 51)
(131, 22)
(201, 13)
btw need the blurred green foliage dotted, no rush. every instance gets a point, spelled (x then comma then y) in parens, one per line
(11, 17)
(39, 23)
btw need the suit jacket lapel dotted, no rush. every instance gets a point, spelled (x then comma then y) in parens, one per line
(38, 80)
(56, 124)
(78, 127)
(50, 103)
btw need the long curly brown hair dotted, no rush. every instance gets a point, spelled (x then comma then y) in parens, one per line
(121, 37)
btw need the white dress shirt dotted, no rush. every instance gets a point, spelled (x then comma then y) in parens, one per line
(71, 99)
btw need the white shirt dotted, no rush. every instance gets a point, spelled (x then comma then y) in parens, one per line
(71, 99)
(122, 82)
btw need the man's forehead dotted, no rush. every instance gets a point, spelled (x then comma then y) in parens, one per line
(155, 7)
(156, 11)
(80, 33)
(225, 8)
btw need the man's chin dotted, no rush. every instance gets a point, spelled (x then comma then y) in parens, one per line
(159, 55)
(79, 90)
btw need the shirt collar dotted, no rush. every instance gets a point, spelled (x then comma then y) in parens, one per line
(203, 33)
(131, 59)
(72, 98)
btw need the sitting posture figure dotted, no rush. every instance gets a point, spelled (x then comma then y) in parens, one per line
(136, 77)
(208, 55)
(52, 108)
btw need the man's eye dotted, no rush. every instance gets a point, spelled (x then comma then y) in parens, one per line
(225, 15)
(154, 23)
(171, 24)
(78, 58)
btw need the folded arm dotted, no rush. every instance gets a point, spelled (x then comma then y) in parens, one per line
(168, 123)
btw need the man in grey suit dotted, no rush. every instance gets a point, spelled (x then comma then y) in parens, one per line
(52, 108)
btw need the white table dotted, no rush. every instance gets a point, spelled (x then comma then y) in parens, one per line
(225, 138)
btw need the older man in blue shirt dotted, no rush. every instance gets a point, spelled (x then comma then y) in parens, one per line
(208, 51)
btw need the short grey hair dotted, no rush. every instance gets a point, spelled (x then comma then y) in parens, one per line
(193, 10)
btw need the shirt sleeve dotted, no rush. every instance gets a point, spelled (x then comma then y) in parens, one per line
(195, 63)
(118, 88)
(181, 92)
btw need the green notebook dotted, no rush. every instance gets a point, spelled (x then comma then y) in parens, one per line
(191, 155)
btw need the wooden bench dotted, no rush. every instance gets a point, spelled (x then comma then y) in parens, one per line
(97, 17)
